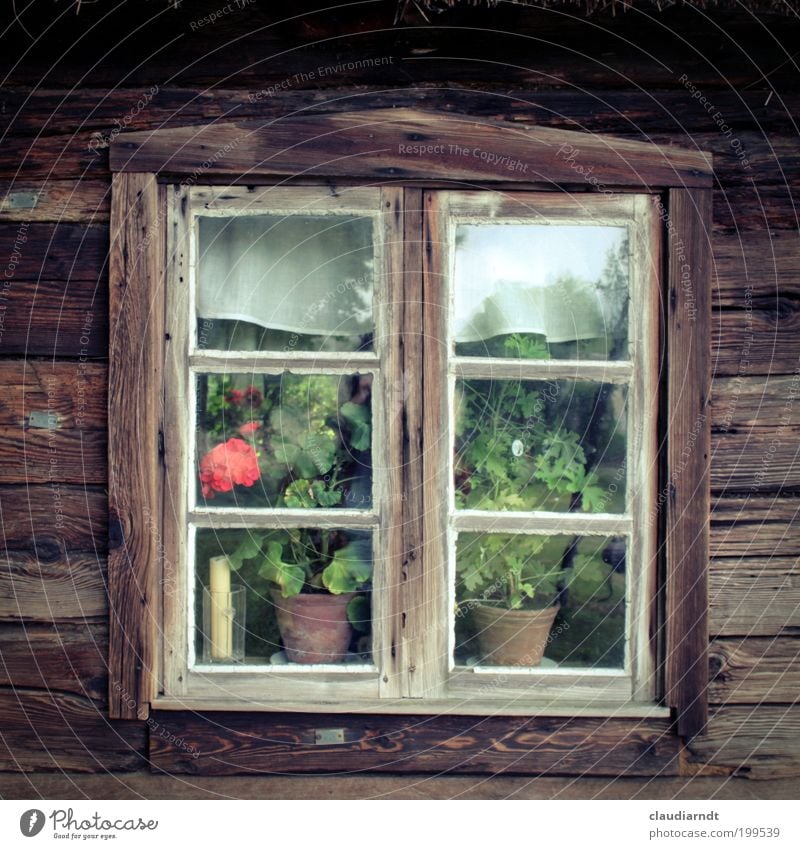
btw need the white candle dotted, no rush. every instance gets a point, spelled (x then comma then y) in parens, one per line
(219, 579)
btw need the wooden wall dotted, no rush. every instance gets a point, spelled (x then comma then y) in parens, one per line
(87, 76)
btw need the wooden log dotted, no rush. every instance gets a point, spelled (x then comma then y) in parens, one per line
(754, 405)
(754, 526)
(50, 520)
(65, 657)
(61, 201)
(227, 744)
(69, 395)
(63, 318)
(754, 670)
(62, 731)
(61, 591)
(53, 423)
(75, 156)
(754, 269)
(54, 251)
(755, 206)
(146, 785)
(407, 144)
(757, 742)
(765, 461)
(112, 110)
(763, 341)
(754, 596)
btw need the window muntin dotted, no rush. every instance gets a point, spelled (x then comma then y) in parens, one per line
(272, 683)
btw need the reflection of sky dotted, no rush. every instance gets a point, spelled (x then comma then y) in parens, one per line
(531, 254)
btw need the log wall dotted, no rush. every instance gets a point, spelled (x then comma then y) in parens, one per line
(623, 76)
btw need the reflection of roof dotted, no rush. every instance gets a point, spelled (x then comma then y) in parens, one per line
(560, 313)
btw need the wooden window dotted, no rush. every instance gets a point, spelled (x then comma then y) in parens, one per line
(450, 394)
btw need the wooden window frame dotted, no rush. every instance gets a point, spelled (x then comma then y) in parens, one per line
(426, 151)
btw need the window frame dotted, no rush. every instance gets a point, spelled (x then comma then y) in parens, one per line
(355, 147)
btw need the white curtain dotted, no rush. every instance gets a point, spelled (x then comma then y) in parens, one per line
(304, 274)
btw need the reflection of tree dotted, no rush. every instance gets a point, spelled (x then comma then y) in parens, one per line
(613, 289)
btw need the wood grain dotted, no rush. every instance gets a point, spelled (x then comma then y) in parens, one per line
(30, 517)
(404, 143)
(759, 741)
(686, 522)
(61, 201)
(251, 743)
(754, 670)
(62, 731)
(64, 657)
(136, 362)
(54, 251)
(754, 526)
(60, 591)
(754, 597)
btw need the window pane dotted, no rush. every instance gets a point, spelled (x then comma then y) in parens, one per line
(539, 291)
(507, 588)
(285, 283)
(556, 445)
(296, 441)
(289, 616)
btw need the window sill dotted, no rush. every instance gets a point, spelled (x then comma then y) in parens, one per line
(454, 707)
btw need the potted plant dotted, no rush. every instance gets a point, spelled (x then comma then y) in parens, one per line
(515, 452)
(317, 580)
(305, 450)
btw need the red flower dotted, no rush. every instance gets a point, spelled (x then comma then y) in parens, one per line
(231, 462)
(235, 396)
(253, 396)
(250, 427)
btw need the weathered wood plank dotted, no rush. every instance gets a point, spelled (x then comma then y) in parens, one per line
(754, 526)
(756, 206)
(65, 157)
(73, 588)
(225, 744)
(63, 731)
(759, 741)
(754, 596)
(404, 143)
(754, 269)
(65, 657)
(69, 395)
(756, 462)
(34, 455)
(755, 405)
(106, 110)
(54, 251)
(687, 506)
(135, 376)
(49, 520)
(147, 785)
(78, 201)
(56, 318)
(754, 670)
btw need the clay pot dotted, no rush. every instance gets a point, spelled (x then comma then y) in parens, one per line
(513, 637)
(314, 628)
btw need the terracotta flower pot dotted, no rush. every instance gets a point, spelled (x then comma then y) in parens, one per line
(513, 637)
(314, 628)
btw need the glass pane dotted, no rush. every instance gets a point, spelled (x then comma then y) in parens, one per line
(297, 441)
(308, 595)
(556, 445)
(539, 291)
(285, 283)
(544, 601)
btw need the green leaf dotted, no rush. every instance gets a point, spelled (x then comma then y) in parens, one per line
(247, 549)
(359, 614)
(347, 571)
(324, 495)
(299, 495)
(288, 577)
(357, 417)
